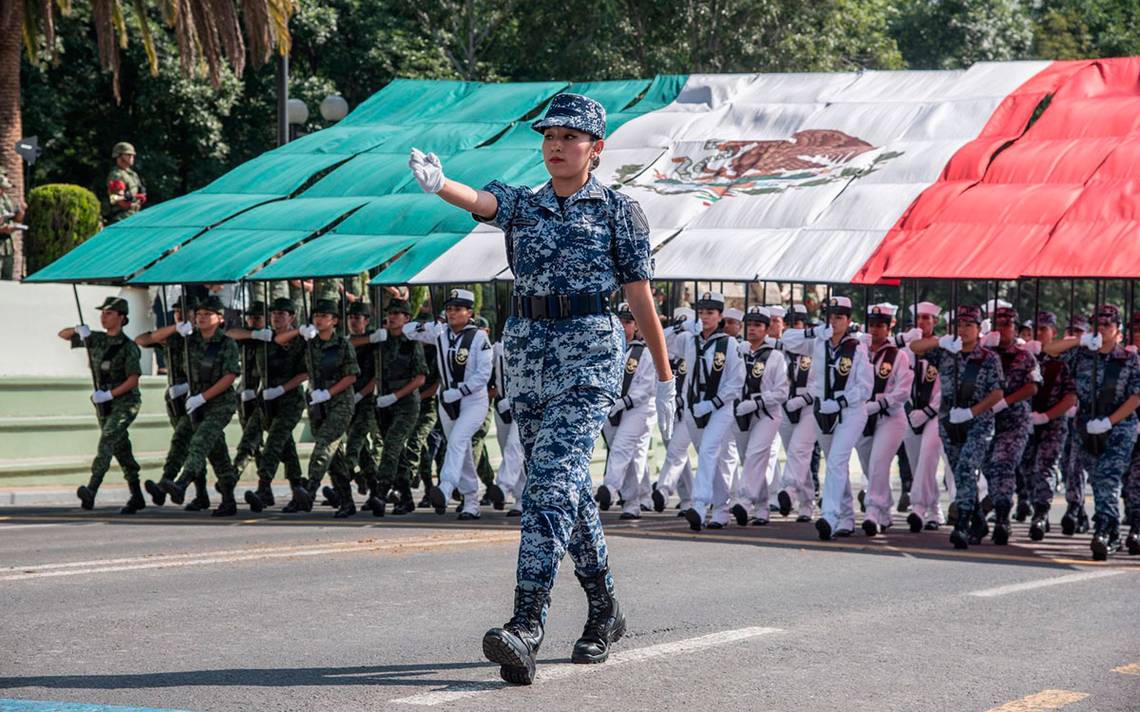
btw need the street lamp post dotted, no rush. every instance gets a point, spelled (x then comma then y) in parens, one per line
(334, 108)
(297, 114)
(282, 98)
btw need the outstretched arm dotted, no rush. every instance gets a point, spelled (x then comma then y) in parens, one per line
(428, 172)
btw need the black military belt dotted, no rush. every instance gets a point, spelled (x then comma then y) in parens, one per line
(560, 306)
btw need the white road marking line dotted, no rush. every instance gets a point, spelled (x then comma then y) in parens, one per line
(35, 526)
(565, 670)
(222, 557)
(1042, 701)
(1042, 583)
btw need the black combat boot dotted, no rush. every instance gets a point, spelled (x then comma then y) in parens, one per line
(658, 499)
(86, 493)
(228, 507)
(978, 528)
(1040, 523)
(497, 497)
(515, 646)
(1001, 523)
(604, 498)
(785, 501)
(1082, 520)
(262, 497)
(176, 490)
(304, 499)
(346, 507)
(156, 494)
(377, 501)
(960, 537)
(293, 505)
(1106, 538)
(137, 501)
(362, 487)
(1070, 518)
(1023, 510)
(904, 502)
(605, 622)
(437, 500)
(201, 501)
(1133, 540)
(407, 503)
(333, 496)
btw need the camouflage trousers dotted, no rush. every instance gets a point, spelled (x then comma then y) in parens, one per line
(1107, 470)
(7, 257)
(279, 446)
(559, 514)
(208, 442)
(1132, 486)
(1072, 468)
(415, 461)
(252, 430)
(363, 432)
(1040, 460)
(398, 423)
(1011, 434)
(115, 441)
(483, 467)
(328, 442)
(966, 459)
(178, 448)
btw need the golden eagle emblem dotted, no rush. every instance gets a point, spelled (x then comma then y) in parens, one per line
(805, 363)
(630, 365)
(885, 369)
(844, 366)
(461, 356)
(682, 368)
(931, 373)
(718, 361)
(758, 369)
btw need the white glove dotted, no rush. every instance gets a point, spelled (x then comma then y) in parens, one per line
(1033, 347)
(195, 402)
(308, 331)
(378, 337)
(184, 328)
(265, 335)
(1091, 341)
(961, 415)
(795, 403)
(665, 401)
(1071, 412)
(386, 400)
(702, 408)
(101, 397)
(873, 408)
(504, 406)
(823, 332)
(83, 331)
(248, 394)
(617, 407)
(319, 396)
(863, 338)
(991, 339)
(999, 406)
(1038, 418)
(828, 406)
(178, 390)
(908, 336)
(451, 395)
(273, 393)
(746, 406)
(1098, 426)
(950, 343)
(427, 170)
(917, 418)
(357, 397)
(684, 315)
(413, 327)
(985, 326)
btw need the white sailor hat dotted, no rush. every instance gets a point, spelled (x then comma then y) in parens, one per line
(799, 308)
(711, 300)
(762, 315)
(926, 309)
(839, 305)
(623, 311)
(775, 311)
(460, 298)
(993, 305)
(881, 313)
(684, 313)
(733, 313)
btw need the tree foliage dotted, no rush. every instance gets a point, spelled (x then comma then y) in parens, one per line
(60, 217)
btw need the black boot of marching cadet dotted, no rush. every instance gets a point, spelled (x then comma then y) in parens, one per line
(86, 493)
(515, 646)
(605, 622)
(137, 501)
(228, 507)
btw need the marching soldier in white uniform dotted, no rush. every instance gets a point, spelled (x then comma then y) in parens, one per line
(921, 440)
(676, 474)
(511, 476)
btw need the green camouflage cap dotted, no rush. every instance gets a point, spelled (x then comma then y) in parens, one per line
(284, 304)
(360, 309)
(255, 308)
(326, 306)
(115, 304)
(400, 305)
(212, 303)
(122, 147)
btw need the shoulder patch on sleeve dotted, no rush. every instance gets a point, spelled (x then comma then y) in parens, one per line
(639, 220)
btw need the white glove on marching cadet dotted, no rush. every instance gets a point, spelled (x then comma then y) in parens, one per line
(308, 331)
(908, 336)
(427, 170)
(195, 402)
(702, 408)
(178, 390)
(319, 396)
(451, 395)
(83, 331)
(184, 328)
(386, 400)
(248, 394)
(829, 406)
(746, 406)
(917, 418)
(101, 397)
(1038, 418)
(379, 336)
(273, 392)
(950, 343)
(1033, 347)
(991, 339)
(999, 406)
(961, 415)
(666, 404)
(1092, 342)
(504, 406)
(1098, 426)
(265, 335)
(795, 403)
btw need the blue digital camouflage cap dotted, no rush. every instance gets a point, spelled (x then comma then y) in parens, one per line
(574, 111)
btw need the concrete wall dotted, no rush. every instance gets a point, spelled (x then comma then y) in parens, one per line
(32, 314)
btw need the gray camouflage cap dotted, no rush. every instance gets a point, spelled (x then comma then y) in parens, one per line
(574, 111)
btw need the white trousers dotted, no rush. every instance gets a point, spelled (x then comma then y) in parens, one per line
(511, 476)
(756, 447)
(924, 451)
(837, 447)
(876, 453)
(458, 471)
(716, 460)
(799, 442)
(676, 474)
(628, 452)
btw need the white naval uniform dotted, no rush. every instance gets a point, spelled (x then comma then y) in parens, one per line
(838, 508)
(756, 444)
(716, 447)
(676, 473)
(798, 438)
(511, 476)
(924, 449)
(877, 452)
(628, 441)
(458, 471)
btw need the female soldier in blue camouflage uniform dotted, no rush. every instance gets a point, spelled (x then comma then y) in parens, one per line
(1108, 388)
(571, 244)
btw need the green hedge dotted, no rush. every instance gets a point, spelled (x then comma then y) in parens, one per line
(60, 216)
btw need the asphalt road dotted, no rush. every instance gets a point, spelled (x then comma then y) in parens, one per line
(177, 611)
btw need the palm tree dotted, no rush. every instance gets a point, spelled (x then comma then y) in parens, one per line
(209, 33)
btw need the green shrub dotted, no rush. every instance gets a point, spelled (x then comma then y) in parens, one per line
(60, 216)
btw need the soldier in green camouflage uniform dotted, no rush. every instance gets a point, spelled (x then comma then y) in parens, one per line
(282, 369)
(249, 407)
(11, 215)
(212, 365)
(416, 460)
(114, 360)
(173, 345)
(331, 362)
(126, 193)
(363, 437)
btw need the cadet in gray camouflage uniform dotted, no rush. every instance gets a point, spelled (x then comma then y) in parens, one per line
(571, 245)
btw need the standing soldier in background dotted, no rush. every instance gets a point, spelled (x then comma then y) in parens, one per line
(126, 193)
(114, 362)
(11, 217)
